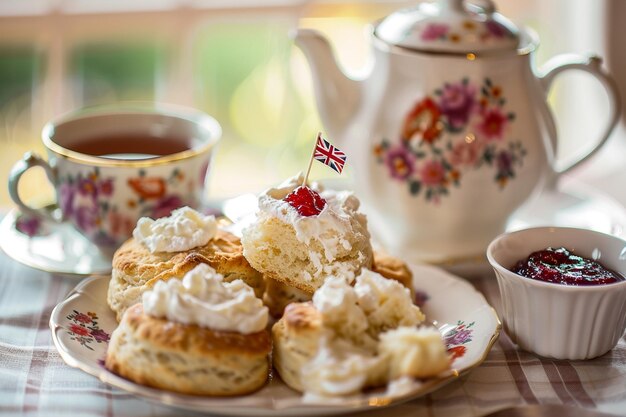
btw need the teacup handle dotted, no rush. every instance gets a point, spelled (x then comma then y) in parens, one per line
(592, 65)
(28, 161)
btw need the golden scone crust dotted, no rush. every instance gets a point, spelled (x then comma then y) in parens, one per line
(187, 358)
(279, 295)
(224, 253)
(296, 338)
(303, 317)
(393, 268)
(136, 270)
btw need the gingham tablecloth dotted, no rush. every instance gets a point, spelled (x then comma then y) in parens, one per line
(35, 381)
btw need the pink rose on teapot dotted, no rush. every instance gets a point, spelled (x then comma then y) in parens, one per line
(450, 132)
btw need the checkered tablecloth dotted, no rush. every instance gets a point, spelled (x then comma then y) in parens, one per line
(35, 381)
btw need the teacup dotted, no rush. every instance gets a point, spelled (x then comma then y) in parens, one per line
(112, 165)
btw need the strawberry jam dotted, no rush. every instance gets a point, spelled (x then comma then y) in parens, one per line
(560, 266)
(306, 201)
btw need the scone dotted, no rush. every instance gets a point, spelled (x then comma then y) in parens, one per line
(198, 337)
(353, 337)
(391, 267)
(136, 268)
(278, 294)
(296, 338)
(310, 358)
(300, 236)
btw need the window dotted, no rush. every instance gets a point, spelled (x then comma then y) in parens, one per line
(235, 62)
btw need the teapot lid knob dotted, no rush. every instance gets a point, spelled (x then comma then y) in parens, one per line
(486, 6)
(456, 5)
(450, 26)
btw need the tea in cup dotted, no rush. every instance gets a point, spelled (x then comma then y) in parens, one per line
(112, 165)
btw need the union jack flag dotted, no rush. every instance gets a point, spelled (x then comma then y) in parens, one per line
(329, 154)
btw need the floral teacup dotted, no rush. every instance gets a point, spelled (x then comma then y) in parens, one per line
(110, 166)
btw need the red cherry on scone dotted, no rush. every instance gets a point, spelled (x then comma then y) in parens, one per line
(306, 201)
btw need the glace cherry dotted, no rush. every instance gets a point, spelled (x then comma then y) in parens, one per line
(306, 201)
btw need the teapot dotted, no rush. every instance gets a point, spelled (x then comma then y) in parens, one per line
(451, 131)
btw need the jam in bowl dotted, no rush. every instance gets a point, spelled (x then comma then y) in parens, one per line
(559, 312)
(561, 266)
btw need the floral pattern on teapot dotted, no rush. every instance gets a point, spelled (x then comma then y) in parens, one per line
(460, 127)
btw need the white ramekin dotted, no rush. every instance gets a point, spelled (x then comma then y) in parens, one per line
(554, 320)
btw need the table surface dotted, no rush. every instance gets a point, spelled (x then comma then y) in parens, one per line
(35, 381)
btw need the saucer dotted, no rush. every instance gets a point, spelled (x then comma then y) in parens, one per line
(572, 205)
(52, 247)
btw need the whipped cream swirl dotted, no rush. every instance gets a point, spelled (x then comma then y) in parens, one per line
(386, 303)
(340, 368)
(202, 298)
(374, 304)
(337, 301)
(184, 229)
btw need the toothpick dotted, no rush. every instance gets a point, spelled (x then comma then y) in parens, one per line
(306, 177)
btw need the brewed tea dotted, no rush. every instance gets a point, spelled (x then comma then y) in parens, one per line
(131, 147)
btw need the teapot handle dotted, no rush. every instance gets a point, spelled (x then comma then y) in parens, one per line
(592, 65)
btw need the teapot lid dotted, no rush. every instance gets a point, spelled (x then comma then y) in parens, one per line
(451, 26)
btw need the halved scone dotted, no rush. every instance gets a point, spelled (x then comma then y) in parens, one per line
(301, 250)
(353, 337)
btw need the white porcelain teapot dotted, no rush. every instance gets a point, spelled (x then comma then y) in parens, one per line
(451, 131)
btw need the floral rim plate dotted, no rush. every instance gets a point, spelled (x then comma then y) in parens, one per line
(82, 323)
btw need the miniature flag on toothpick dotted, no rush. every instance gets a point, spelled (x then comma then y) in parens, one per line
(327, 154)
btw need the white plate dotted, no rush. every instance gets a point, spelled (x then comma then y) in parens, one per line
(82, 323)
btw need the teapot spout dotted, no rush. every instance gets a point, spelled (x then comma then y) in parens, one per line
(337, 95)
